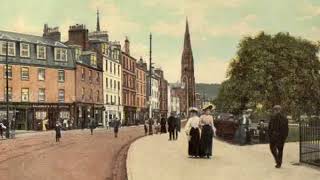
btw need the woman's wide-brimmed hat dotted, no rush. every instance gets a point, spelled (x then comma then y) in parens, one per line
(193, 109)
(209, 106)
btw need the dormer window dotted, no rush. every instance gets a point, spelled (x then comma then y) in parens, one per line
(11, 48)
(41, 52)
(60, 54)
(24, 50)
(77, 53)
(93, 60)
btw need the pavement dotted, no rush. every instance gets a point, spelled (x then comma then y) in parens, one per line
(79, 155)
(156, 158)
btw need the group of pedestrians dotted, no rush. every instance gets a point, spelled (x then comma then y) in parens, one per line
(174, 126)
(200, 132)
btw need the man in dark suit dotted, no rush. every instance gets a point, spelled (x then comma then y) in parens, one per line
(278, 133)
(172, 126)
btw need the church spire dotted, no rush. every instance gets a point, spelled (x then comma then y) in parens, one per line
(98, 21)
(187, 43)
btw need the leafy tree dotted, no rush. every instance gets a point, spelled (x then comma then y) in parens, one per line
(273, 69)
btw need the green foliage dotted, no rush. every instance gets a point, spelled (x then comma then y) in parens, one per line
(268, 70)
(209, 90)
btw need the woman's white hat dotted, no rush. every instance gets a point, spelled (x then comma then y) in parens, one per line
(193, 109)
(209, 106)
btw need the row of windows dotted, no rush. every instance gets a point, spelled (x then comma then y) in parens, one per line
(60, 54)
(114, 53)
(113, 100)
(41, 74)
(141, 102)
(113, 68)
(83, 92)
(83, 75)
(129, 99)
(129, 81)
(141, 75)
(128, 64)
(141, 89)
(25, 94)
(113, 84)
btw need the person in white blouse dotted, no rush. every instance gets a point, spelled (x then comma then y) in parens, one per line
(207, 132)
(192, 129)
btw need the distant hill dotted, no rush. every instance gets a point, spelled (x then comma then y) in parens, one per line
(209, 90)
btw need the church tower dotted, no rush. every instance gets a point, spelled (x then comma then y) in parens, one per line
(187, 72)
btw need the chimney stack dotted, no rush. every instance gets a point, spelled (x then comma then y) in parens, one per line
(127, 46)
(78, 35)
(51, 33)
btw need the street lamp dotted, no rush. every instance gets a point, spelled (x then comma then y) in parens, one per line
(7, 93)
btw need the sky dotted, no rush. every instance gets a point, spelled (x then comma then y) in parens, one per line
(216, 26)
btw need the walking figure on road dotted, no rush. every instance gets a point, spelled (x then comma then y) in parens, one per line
(192, 129)
(278, 133)
(207, 132)
(178, 126)
(146, 124)
(91, 125)
(58, 131)
(150, 126)
(116, 127)
(163, 123)
(172, 126)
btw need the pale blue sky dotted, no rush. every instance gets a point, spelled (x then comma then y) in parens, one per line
(216, 26)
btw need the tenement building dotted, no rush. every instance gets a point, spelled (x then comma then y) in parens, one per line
(88, 80)
(41, 79)
(141, 91)
(163, 93)
(155, 95)
(128, 84)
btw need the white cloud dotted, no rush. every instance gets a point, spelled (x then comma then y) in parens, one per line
(309, 10)
(22, 25)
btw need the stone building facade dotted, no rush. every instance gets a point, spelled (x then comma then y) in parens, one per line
(141, 89)
(163, 93)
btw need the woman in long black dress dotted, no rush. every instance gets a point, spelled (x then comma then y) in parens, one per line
(58, 131)
(193, 131)
(207, 131)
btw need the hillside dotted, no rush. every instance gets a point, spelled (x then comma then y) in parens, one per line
(210, 90)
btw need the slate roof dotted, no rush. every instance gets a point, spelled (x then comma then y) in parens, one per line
(13, 36)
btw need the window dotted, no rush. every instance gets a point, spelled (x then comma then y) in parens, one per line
(110, 83)
(110, 67)
(104, 48)
(77, 53)
(61, 75)
(10, 94)
(138, 101)
(114, 68)
(24, 94)
(90, 76)
(41, 74)
(98, 95)
(115, 84)
(119, 85)
(61, 95)
(24, 50)
(9, 72)
(107, 82)
(83, 74)
(111, 99)
(98, 77)
(93, 60)
(118, 70)
(106, 66)
(11, 48)
(24, 73)
(107, 99)
(119, 100)
(60, 54)
(42, 95)
(82, 92)
(41, 52)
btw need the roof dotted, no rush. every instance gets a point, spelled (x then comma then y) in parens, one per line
(13, 36)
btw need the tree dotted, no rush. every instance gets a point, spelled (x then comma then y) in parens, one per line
(269, 70)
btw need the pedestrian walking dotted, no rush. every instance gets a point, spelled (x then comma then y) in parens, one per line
(178, 126)
(163, 123)
(91, 125)
(192, 129)
(150, 126)
(172, 126)
(207, 132)
(116, 127)
(2, 128)
(146, 124)
(278, 133)
(58, 131)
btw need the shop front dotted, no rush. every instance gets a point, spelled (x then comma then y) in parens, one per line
(85, 111)
(129, 115)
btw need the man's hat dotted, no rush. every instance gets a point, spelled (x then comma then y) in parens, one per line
(209, 106)
(193, 109)
(277, 107)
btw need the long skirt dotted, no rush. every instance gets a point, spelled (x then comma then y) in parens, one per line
(206, 141)
(194, 142)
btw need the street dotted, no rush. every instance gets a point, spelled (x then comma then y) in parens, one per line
(78, 156)
(156, 158)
